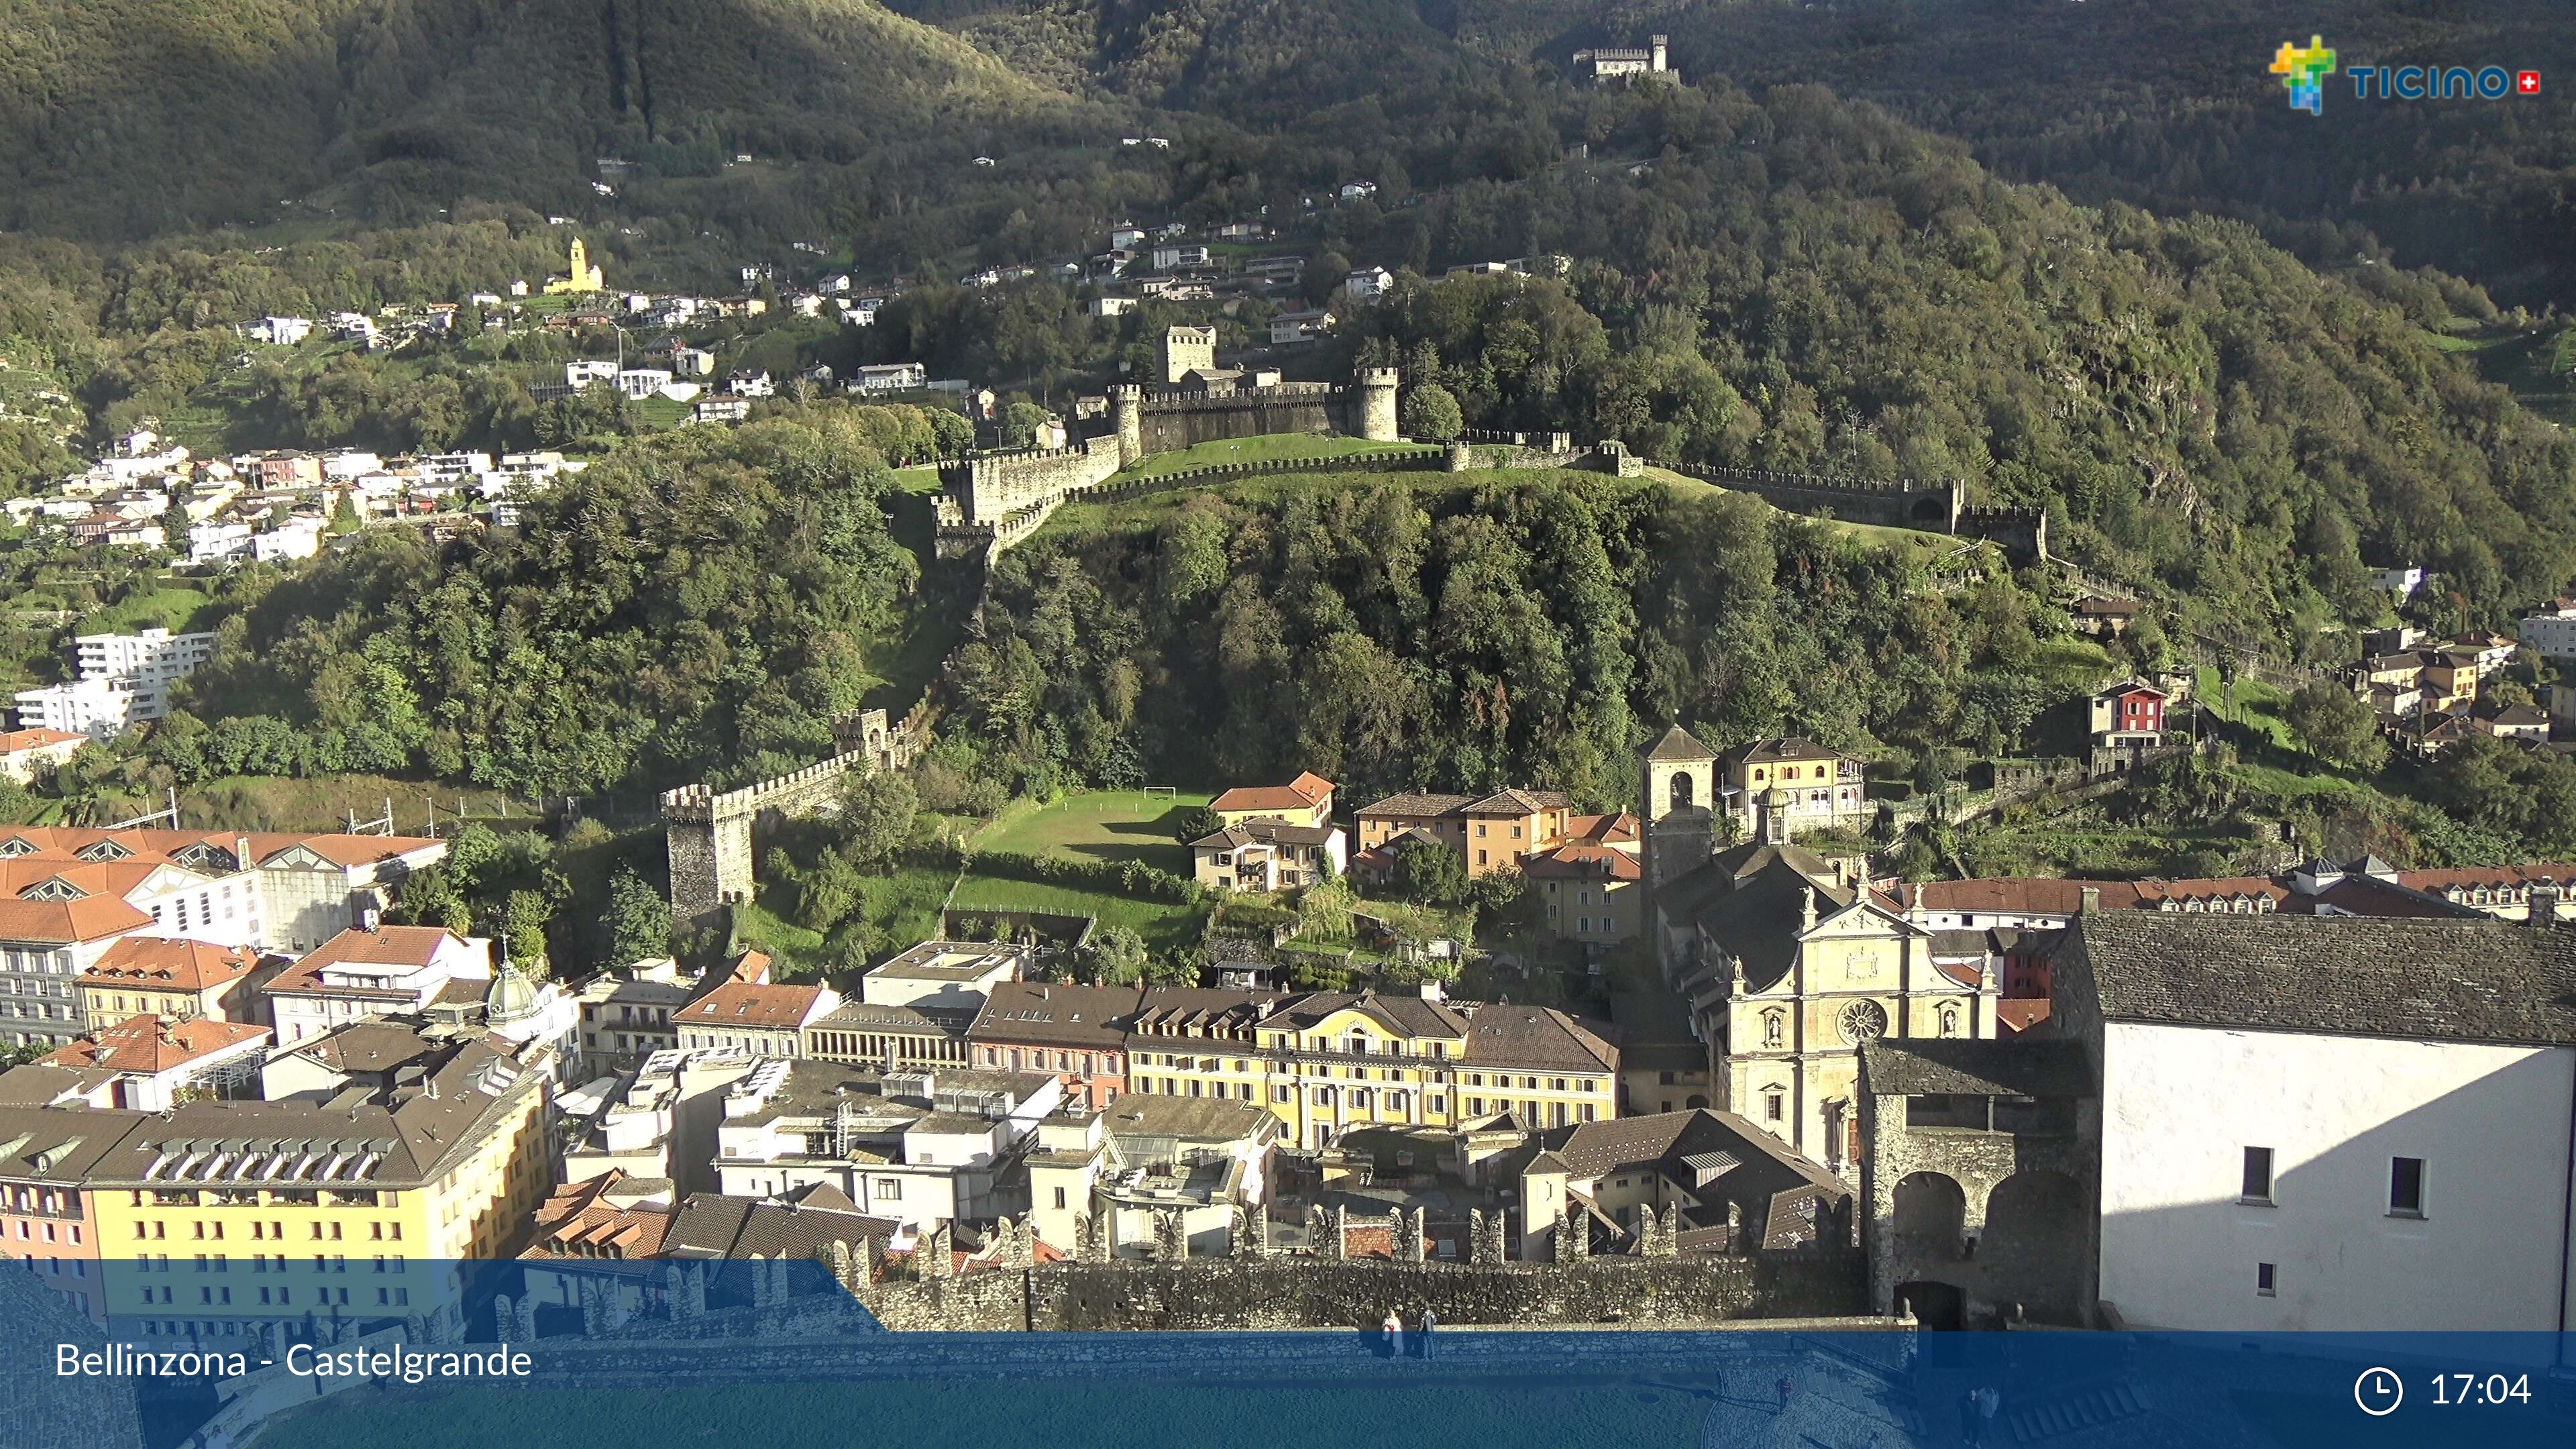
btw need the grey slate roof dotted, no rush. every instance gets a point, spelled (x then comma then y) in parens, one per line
(2484, 981)
(1681, 746)
(1751, 900)
(1949, 1066)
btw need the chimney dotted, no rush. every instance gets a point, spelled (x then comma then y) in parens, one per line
(2543, 897)
(2092, 896)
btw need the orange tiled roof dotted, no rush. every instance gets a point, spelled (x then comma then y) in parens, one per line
(18, 741)
(63, 923)
(146, 1046)
(749, 1004)
(385, 946)
(179, 965)
(1305, 792)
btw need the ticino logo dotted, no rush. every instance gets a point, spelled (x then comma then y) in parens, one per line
(2304, 68)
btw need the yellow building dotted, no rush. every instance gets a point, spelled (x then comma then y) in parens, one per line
(1329, 1063)
(583, 276)
(221, 1220)
(1590, 893)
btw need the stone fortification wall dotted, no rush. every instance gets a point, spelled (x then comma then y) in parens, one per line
(1933, 507)
(1173, 421)
(995, 486)
(1267, 1292)
(707, 833)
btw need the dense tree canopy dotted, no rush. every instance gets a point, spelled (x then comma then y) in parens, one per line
(703, 600)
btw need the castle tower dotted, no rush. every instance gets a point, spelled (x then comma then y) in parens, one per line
(1377, 404)
(1186, 350)
(1659, 66)
(1677, 806)
(1127, 403)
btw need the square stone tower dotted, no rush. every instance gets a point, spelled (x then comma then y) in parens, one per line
(1677, 806)
(1186, 349)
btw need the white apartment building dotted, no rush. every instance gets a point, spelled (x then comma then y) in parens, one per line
(918, 1147)
(123, 679)
(2550, 631)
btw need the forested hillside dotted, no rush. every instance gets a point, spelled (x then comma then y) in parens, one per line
(130, 117)
(2166, 104)
(703, 602)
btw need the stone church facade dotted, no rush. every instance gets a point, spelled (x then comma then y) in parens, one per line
(1792, 962)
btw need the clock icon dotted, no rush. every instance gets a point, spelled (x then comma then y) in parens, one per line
(2378, 1391)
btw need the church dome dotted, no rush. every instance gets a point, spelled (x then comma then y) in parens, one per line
(512, 997)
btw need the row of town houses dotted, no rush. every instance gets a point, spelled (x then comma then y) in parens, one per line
(150, 493)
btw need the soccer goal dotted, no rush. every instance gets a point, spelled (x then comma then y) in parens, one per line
(1161, 792)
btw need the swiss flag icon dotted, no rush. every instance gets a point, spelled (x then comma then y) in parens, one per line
(2527, 82)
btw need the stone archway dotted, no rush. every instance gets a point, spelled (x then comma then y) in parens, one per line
(2033, 1247)
(1930, 1218)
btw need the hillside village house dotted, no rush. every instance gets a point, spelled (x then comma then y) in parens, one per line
(1591, 892)
(1780, 789)
(1306, 800)
(1330, 1062)
(1492, 832)
(30, 755)
(386, 971)
(1263, 854)
(2129, 713)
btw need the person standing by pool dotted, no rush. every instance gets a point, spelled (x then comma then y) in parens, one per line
(1394, 1335)
(1430, 1321)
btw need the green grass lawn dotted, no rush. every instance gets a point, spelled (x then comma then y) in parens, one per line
(1269, 448)
(2256, 706)
(923, 478)
(2538, 367)
(1115, 825)
(173, 606)
(1164, 926)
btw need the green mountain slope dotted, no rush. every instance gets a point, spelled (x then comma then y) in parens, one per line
(135, 116)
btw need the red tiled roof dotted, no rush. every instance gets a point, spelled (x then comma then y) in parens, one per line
(750, 1004)
(412, 946)
(1606, 829)
(179, 965)
(1305, 792)
(92, 918)
(17, 741)
(145, 1045)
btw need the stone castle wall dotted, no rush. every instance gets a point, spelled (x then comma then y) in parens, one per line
(707, 833)
(1276, 1293)
(1174, 421)
(1933, 507)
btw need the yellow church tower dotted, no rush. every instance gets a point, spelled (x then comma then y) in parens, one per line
(583, 277)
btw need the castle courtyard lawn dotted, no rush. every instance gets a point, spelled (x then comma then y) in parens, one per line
(1111, 825)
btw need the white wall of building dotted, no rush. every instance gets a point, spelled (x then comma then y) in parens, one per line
(2179, 1251)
